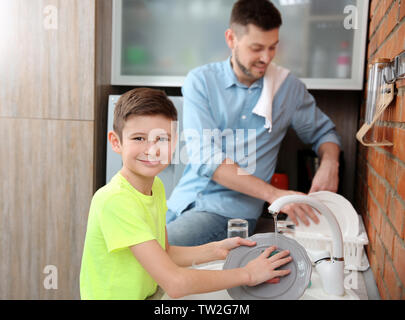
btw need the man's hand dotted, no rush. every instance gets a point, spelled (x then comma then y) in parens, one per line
(295, 211)
(327, 177)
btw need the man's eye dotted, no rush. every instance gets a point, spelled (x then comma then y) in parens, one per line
(139, 139)
(163, 139)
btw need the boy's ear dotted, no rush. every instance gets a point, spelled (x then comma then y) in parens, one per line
(114, 141)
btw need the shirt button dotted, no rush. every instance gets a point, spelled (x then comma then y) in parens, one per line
(243, 117)
(199, 195)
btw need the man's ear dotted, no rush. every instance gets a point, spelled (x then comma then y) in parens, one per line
(114, 141)
(230, 38)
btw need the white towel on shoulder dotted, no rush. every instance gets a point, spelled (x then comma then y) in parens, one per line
(273, 78)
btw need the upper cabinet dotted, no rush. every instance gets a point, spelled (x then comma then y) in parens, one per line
(156, 42)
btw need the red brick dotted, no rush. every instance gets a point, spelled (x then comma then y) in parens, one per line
(378, 163)
(381, 287)
(371, 235)
(402, 10)
(398, 149)
(372, 258)
(401, 182)
(401, 105)
(380, 35)
(387, 49)
(372, 47)
(399, 259)
(369, 153)
(373, 6)
(400, 40)
(393, 284)
(391, 171)
(391, 19)
(387, 4)
(393, 112)
(371, 182)
(379, 13)
(387, 236)
(375, 215)
(400, 83)
(380, 253)
(396, 214)
(381, 194)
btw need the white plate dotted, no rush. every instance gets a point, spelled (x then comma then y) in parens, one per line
(290, 287)
(344, 212)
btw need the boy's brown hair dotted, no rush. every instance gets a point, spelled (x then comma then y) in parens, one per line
(261, 13)
(142, 102)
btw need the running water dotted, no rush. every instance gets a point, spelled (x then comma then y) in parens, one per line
(274, 214)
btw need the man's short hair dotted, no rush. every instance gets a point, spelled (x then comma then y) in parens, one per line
(261, 13)
(142, 102)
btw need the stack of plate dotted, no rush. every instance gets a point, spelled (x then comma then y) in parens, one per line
(319, 236)
(344, 212)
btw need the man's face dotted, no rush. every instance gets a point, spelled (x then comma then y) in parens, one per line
(146, 147)
(252, 52)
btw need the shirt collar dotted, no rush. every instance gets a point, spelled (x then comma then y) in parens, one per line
(231, 78)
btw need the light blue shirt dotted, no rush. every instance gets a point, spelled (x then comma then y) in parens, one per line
(216, 102)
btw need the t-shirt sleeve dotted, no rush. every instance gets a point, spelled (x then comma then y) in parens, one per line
(123, 223)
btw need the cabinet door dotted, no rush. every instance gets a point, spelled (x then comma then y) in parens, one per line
(323, 42)
(156, 42)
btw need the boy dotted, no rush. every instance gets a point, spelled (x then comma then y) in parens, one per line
(126, 251)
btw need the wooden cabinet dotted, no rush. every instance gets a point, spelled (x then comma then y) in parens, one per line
(53, 97)
(156, 43)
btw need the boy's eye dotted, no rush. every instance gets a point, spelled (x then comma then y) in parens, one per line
(139, 139)
(163, 139)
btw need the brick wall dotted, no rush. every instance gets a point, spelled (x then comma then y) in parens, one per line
(380, 196)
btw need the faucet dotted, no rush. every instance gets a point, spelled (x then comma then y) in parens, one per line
(330, 270)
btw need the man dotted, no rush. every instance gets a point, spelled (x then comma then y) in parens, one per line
(224, 96)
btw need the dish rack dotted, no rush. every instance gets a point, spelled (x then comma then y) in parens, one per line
(354, 253)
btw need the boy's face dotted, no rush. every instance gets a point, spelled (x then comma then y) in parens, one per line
(147, 144)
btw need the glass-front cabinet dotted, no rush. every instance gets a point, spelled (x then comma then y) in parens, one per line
(156, 42)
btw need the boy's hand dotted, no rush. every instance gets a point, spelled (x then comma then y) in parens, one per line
(264, 268)
(225, 246)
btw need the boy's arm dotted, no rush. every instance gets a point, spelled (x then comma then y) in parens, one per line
(218, 250)
(178, 282)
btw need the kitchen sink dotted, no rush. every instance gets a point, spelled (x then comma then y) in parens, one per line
(314, 292)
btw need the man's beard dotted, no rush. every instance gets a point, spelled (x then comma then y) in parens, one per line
(245, 70)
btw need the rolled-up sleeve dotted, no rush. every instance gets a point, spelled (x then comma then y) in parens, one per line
(202, 136)
(311, 124)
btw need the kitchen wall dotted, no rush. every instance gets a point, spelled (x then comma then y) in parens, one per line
(54, 73)
(381, 170)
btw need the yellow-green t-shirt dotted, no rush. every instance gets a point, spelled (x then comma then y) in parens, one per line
(120, 217)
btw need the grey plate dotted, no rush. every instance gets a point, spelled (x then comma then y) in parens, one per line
(290, 287)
